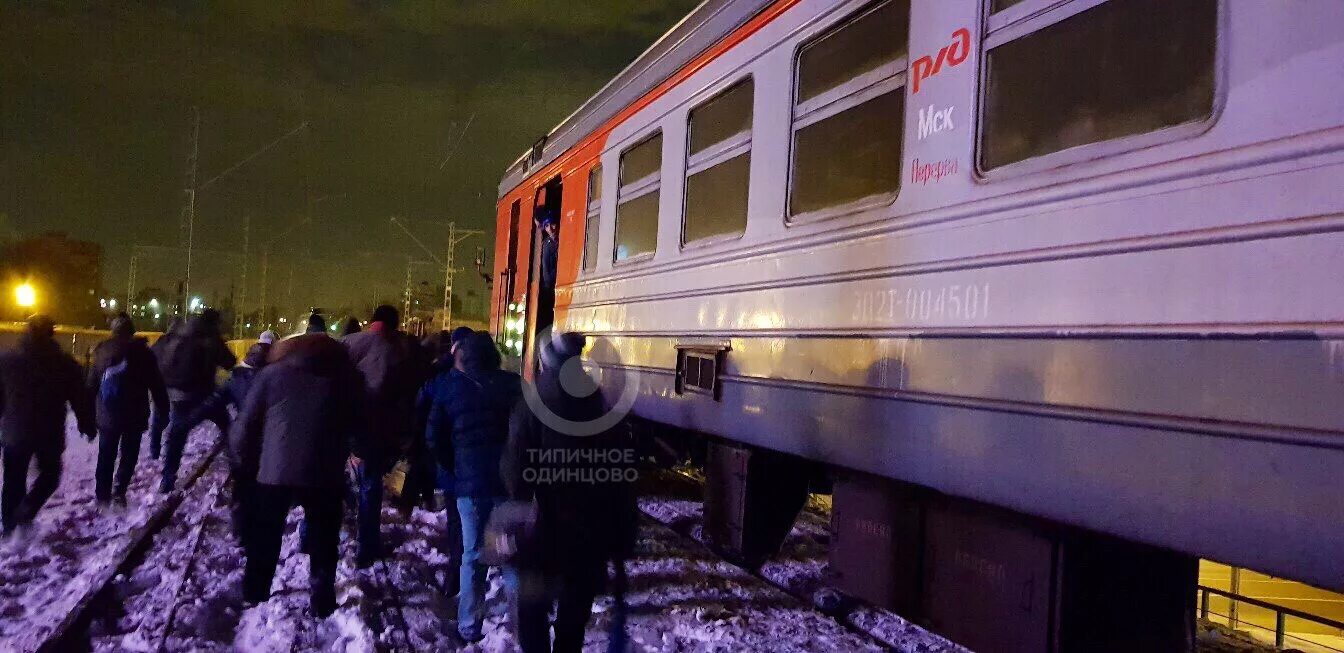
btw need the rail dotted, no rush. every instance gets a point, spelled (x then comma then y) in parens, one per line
(1281, 613)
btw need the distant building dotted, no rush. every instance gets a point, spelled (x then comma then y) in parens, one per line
(66, 273)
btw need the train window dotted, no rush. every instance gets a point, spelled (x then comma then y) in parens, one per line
(878, 37)
(1058, 79)
(637, 199)
(849, 113)
(591, 220)
(637, 226)
(514, 210)
(718, 165)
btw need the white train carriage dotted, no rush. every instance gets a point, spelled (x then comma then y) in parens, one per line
(1079, 259)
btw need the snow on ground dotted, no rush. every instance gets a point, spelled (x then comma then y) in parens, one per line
(800, 570)
(682, 597)
(74, 541)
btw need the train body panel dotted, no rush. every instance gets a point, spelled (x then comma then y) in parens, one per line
(1139, 335)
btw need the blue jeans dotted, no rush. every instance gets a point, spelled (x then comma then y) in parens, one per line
(475, 514)
(369, 480)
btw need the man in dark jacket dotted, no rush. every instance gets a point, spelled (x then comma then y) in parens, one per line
(37, 380)
(393, 370)
(170, 334)
(467, 429)
(234, 392)
(302, 421)
(582, 488)
(122, 380)
(188, 362)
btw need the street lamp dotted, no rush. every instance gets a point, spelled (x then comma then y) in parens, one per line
(25, 295)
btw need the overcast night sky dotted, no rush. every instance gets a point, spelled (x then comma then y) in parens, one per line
(415, 110)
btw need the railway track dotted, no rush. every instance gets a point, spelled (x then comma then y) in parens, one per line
(71, 630)
(800, 553)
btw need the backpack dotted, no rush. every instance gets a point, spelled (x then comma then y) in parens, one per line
(112, 388)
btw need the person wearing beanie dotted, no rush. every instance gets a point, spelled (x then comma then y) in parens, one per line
(351, 326)
(267, 337)
(37, 381)
(467, 429)
(123, 379)
(393, 369)
(579, 526)
(316, 324)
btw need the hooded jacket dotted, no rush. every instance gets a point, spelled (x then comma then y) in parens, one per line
(37, 380)
(302, 417)
(142, 380)
(468, 421)
(393, 370)
(587, 512)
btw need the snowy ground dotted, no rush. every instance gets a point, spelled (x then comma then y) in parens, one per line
(74, 543)
(184, 595)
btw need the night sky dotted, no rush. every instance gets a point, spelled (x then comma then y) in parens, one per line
(415, 109)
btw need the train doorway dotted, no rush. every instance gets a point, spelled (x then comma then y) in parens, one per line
(545, 253)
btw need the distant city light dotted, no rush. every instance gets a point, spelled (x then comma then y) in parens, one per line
(112, 303)
(196, 304)
(154, 302)
(25, 295)
(102, 303)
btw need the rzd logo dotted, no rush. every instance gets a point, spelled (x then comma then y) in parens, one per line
(953, 54)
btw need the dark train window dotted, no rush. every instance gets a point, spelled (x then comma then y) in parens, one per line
(848, 156)
(716, 200)
(637, 199)
(718, 165)
(637, 226)
(514, 210)
(590, 223)
(642, 160)
(849, 114)
(1115, 70)
(879, 36)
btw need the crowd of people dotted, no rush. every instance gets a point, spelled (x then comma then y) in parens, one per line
(318, 422)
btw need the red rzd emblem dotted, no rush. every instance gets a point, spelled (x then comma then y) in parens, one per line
(952, 54)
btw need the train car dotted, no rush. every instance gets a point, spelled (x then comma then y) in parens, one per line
(1059, 276)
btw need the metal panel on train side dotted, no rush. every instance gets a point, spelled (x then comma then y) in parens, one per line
(988, 583)
(877, 542)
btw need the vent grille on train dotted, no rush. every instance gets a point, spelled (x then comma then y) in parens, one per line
(698, 371)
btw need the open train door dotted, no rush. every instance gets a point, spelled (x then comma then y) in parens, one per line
(541, 272)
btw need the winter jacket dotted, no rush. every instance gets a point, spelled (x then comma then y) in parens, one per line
(550, 257)
(393, 370)
(141, 382)
(468, 426)
(37, 380)
(302, 417)
(188, 358)
(235, 390)
(582, 486)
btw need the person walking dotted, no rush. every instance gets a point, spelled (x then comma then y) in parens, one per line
(469, 407)
(301, 424)
(188, 363)
(123, 379)
(233, 393)
(582, 500)
(170, 334)
(37, 381)
(393, 370)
